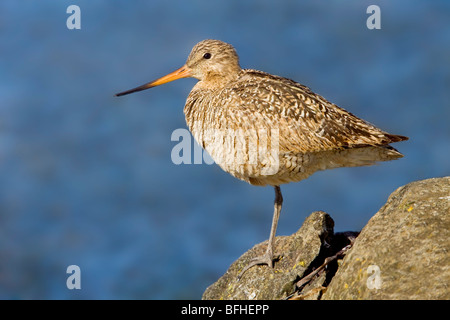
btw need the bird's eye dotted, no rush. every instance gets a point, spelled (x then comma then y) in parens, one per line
(207, 55)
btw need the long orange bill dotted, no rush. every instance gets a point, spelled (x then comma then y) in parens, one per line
(183, 72)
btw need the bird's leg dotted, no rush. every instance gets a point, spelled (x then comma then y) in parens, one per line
(267, 258)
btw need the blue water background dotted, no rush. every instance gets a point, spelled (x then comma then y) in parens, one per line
(87, 178)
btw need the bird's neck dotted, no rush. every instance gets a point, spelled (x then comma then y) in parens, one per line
(217, 81)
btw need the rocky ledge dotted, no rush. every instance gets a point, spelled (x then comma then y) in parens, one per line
(402, 253)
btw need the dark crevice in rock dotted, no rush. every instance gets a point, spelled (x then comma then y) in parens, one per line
(340, 241)
(331, 250)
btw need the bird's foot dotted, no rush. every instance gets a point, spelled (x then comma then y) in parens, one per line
(266, 259)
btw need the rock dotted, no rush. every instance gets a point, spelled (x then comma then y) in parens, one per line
(402, 253)
(261, 282)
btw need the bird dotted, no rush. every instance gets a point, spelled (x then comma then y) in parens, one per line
(269, 130)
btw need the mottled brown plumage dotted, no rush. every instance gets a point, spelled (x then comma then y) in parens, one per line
(269, 130)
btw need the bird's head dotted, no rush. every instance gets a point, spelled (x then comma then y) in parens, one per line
(209, 60)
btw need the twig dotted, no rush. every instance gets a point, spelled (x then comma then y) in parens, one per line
(306, 279)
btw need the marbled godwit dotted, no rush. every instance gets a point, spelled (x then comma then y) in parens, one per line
(237, 114)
